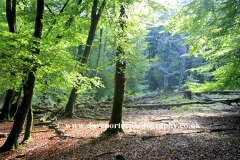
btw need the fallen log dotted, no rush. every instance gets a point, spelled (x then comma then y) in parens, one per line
(224, 92)
(46, 109)
(46, 123)
(91, 103)
(164, 119)
(228, 102)
(141, 97)
(167, 105)
(203, 99)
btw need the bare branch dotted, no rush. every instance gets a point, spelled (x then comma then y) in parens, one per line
(49, 9)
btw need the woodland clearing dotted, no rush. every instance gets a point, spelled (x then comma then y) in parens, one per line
(185, 132)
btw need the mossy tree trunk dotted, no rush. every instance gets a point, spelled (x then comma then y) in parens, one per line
(28, 88)
(115, 123)
(28, 129)
(94, 22)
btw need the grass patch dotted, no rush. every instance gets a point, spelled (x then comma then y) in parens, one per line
(194, 107)
(174, 99)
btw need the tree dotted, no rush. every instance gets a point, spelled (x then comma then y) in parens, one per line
(183, 68)
(213, 28)
(28, 129)
(11, 19)
(99, 53)
(95, 16)
(12, 140)
(165, 60)
(115, 123)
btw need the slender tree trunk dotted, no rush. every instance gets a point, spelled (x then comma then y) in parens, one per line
(80, 51)
(76, 52)
(5, 114)
(183, 69)
(105, 43)
(28, 129)
(165, 85)
(105, 48)
(115, 123)
(94, 22)
(99, 52)
(13, 138)
(14, 107)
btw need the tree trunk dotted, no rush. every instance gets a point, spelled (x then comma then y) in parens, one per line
(14, 107)
(5, 114)
(94, 21)
(76, 53)
(183, 69)
(11, 19)
(115, 123)
(99, 52)
(165, 84)
(80, 50)
(28, 129)
(188, 95)
(69, 110)
(105, 48)
(13, 138)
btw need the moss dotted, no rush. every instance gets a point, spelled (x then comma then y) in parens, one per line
(28, 129)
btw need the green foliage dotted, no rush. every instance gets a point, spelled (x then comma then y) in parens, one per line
(107, 79)
(58, 68)
(213, 28)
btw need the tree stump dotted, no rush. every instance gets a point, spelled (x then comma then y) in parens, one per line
(187, 94)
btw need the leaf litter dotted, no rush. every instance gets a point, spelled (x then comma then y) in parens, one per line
(164, 142)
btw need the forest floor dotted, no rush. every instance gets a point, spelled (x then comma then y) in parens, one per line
(186, 132)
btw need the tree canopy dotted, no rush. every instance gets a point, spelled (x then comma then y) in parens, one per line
(213, 28)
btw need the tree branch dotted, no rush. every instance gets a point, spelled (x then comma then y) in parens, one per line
(49, 9)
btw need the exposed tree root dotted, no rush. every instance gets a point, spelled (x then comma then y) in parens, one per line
(102, 154)
(164, 119)
(62, 136)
